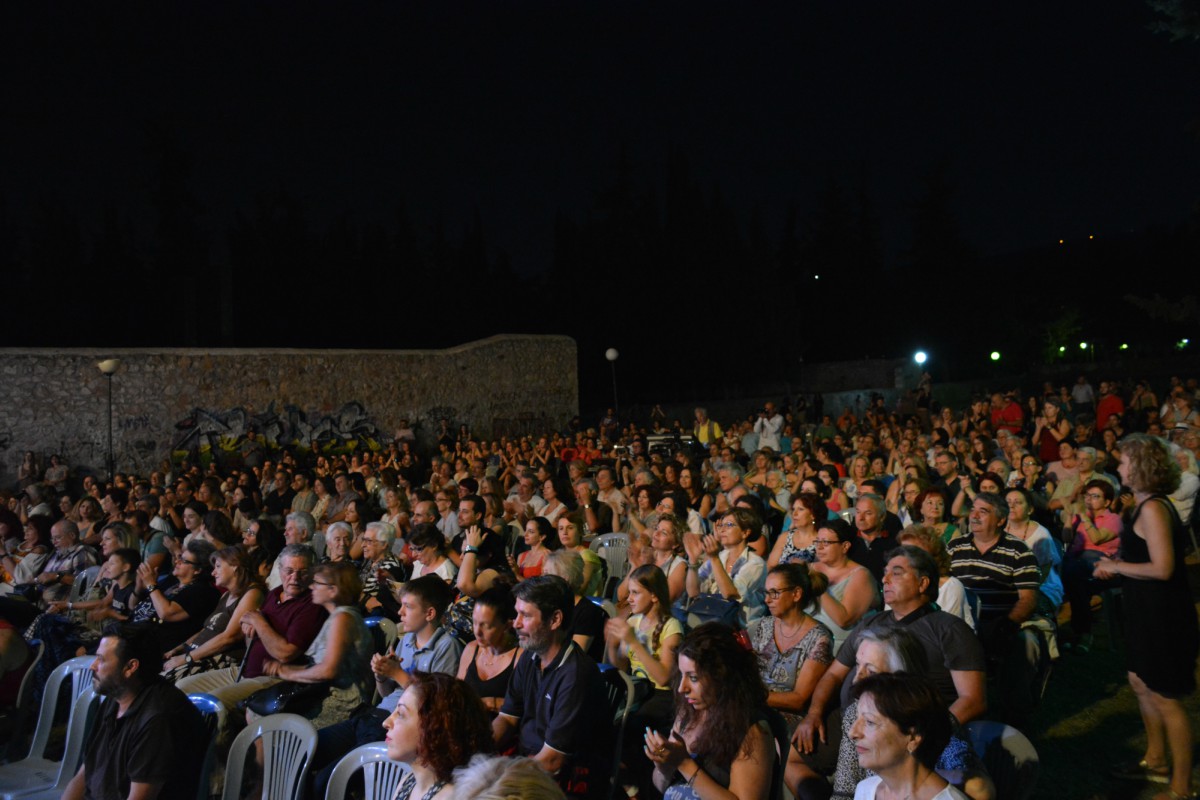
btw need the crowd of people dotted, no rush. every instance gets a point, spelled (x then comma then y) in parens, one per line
(818, 603)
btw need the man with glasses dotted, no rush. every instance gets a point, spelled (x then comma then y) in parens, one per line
(282, 629)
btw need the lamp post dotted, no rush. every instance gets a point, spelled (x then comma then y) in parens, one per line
(108, 367)
(612, 355)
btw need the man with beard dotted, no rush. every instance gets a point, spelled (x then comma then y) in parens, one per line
(554, 706)
(148, 740)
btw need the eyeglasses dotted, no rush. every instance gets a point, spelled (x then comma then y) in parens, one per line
(192, 564)
(725, 525)
(1094, 496)
(365, 540)
(825, 542)
(773, 594)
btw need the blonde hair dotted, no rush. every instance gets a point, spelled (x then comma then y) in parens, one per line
(502, 778)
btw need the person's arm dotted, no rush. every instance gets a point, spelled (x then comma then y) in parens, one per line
(464, 661)
(144, 791)
(76, 787)
(677, 581)
(340, 640)
(971, 686)
(813, 724)
(725, 584)
(1025, 606)
(858, 599)
(276, 644)
(1154, 526)
(549, 759)
(252, 600)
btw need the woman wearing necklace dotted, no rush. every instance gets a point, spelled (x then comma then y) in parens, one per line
(438, 725)
(793, 649)
(796, 543)
(487, 662)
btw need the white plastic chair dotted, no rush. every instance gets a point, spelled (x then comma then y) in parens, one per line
(24, 699)
(615, 549)
(83, 579)
(289, 742)
(381, 775)
(35, 771)
(40, 779)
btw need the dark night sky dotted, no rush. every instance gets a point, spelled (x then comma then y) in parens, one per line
(1056, 119)
(1052, 120)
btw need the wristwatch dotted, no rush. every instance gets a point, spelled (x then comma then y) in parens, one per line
(187, 658)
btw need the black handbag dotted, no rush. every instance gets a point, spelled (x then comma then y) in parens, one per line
(287, 696)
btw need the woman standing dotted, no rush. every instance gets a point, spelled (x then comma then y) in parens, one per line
(793, 649)
(720, 739)
(1160, 614)
(438, 725)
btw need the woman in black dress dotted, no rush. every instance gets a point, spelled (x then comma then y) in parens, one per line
(1161, 628)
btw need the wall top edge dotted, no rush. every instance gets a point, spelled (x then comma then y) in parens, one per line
(100, 352)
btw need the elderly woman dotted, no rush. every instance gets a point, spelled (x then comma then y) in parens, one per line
(891, 652)
(900, 730)
(379, 567)
(24, 563)
(219, 644)
(1160, 613)
(931, 506)
(338, 538)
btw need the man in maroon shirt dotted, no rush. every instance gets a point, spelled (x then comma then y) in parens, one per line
(282, 629)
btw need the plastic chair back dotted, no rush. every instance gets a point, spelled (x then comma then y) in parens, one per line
(614, 547)
(381, 775)
(384, 631)
(606, 605)
(620, 696)
(213, 712)
(79, 671)
(289, 742)
(21, 712)
(1010, 758)
(83, 579)
(39, 779)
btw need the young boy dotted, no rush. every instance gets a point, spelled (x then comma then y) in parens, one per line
(425, 646)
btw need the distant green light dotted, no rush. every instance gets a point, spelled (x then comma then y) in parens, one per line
(1124, 347)
(995, 355)
(1083, 345)
(1062, 349)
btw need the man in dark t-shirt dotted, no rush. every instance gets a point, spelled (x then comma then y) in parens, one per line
(148, 740)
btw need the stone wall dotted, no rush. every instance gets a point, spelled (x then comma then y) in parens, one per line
(56, 401)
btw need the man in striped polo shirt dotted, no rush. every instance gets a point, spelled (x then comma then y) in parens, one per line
(1003, 573)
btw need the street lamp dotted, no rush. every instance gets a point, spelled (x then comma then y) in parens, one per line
(612, 355)
(920, 357)
(109, 366)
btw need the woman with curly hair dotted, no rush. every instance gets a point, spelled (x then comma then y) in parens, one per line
(1160, 615)
(438, 725)
(720, 738)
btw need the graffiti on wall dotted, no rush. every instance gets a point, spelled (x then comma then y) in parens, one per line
(347, 429)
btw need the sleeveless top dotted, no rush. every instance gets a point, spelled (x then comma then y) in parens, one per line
(495, 686)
